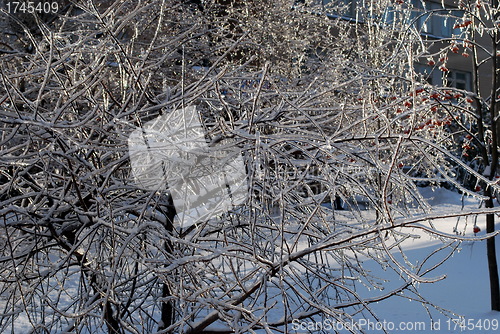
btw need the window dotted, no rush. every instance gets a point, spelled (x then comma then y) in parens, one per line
(428, 17)
(389, 15)
(431, 75)
(345, 8)
(351, 7)
(431, 18)
(458, 79)
(452, 78)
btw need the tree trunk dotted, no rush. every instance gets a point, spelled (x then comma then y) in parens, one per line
(167, 307)
(492, 258)
(111, 322)
(495, 129)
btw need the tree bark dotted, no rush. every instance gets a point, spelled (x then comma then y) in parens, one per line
(492, 258)
(495, 129)
(167, 307)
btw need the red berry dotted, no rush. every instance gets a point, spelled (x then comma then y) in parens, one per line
(476, 229)
(400, 165)
(431, 62)
(478, 188)
(466, 23)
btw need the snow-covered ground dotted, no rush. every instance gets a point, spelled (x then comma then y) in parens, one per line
(464, 291)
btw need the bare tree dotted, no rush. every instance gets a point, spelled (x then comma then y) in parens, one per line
(317, 107)
(470, 48)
